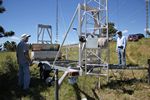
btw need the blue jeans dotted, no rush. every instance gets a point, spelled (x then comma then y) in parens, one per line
(121, 56)
(24, 76)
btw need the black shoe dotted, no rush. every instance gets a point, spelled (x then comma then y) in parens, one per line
(26, 92)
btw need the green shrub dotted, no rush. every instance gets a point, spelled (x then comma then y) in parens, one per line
(8, 65)
(8, 73)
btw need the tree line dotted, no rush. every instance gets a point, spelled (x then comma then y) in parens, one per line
(11, 46)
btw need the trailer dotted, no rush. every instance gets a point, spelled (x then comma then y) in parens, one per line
(44, 53)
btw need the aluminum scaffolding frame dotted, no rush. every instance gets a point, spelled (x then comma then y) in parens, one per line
(92, 26)
(41, 32)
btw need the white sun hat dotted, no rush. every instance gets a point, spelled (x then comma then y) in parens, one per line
(23, 36)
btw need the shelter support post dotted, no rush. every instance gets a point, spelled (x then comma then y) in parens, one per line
(56, 85)
(148, 71)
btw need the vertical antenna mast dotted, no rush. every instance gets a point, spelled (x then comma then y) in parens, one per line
(147, 18)
(56, 21)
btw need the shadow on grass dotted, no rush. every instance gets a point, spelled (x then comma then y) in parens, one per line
(120, 85)
(9, 89)
(78, 92)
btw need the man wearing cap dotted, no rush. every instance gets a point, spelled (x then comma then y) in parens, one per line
(24, 62)
(121, 49)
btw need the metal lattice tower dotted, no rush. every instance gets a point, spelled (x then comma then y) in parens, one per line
(92, 25)
(41, 33)
(93, 19)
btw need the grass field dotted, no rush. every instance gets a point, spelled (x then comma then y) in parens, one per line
(125, 85)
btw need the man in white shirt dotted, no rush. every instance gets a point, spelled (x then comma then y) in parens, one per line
(121, 49)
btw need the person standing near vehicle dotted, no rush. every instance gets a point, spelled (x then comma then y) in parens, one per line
(24, 62)
(121, 49)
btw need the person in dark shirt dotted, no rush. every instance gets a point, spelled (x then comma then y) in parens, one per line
(24, 62)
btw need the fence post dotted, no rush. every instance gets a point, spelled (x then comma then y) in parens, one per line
(148, 61)
(56, 85)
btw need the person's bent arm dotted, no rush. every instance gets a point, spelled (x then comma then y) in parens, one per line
(124, 43)
(117, 45)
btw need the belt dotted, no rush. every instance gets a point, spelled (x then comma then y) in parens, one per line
(121, 47)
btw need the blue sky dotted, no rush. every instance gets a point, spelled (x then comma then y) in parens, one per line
(23, 16)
